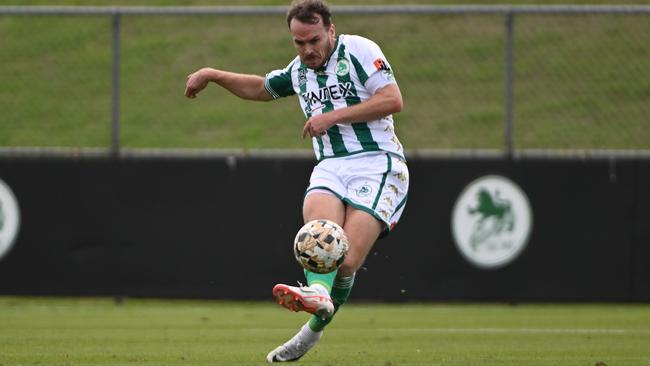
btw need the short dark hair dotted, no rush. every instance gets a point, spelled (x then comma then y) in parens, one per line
(307, 11)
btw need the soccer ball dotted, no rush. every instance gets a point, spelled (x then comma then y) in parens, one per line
(320, 246)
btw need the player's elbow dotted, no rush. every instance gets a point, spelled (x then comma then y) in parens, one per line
(395, 104)
(392, 99)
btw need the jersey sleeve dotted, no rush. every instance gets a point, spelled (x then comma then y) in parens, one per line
(371, 65)
(278, 82)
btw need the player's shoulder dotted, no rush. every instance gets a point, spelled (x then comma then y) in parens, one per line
(294, 64)
(358, 44)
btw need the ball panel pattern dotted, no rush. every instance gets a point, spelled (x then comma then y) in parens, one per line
(321, 246)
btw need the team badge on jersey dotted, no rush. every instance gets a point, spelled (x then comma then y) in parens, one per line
(342, 67)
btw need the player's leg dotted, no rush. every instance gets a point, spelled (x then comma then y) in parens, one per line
(322, 204)
(376, 184)
(362, 230)
(376, 193)
(315, 297)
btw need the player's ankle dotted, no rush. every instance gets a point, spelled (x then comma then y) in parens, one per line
(310, 333)
(322, 290)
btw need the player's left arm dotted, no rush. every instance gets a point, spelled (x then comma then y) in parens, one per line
(386, 101)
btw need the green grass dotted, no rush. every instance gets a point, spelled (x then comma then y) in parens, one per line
(582, 82)
(164, 332)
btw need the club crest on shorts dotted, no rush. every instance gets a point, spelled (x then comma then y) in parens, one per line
(364, 191)
(9, 218)
(491, 221)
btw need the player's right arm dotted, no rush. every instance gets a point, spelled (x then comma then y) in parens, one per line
(245, 86)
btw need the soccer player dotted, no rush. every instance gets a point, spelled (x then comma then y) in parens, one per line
(348, 93)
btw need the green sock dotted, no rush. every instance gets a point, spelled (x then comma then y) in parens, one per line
(341, 288)
(324, 279)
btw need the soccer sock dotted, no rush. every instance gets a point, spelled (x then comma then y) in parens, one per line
(341, 289)
(323, 279)
(307, 335)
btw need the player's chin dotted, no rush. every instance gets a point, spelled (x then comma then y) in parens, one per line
(312, 63)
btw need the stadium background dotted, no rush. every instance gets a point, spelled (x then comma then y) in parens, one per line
(553, 98)
(161, 206)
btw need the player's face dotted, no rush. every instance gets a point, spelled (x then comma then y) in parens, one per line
(313, 42)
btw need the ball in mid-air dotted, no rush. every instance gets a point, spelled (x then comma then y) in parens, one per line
(321, 246)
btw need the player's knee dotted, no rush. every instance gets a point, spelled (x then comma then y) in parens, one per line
(351, 264)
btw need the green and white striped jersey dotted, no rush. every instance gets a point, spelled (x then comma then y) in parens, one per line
(352, 74)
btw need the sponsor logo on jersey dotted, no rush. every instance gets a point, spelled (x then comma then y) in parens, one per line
(491, 222)
(9, 218)
(331, 92)
(381, 65)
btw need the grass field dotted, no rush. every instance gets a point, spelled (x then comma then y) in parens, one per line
(569, 92)
(156, 332)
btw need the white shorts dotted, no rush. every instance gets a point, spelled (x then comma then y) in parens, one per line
(376, 183)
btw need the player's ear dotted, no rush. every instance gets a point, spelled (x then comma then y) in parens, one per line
(332, 30)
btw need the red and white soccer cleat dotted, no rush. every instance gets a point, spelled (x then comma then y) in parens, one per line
(303, 298)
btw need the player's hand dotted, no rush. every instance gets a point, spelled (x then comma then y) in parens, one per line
(317, 125)
(196, 82)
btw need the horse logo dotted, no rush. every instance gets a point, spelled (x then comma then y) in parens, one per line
(342, 67)
(491, 221)
(364, 191)
(494, 216)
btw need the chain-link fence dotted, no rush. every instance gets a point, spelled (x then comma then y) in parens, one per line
(490, 77)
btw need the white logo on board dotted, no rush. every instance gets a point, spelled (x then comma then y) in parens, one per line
(491, 221)
(9, 218)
